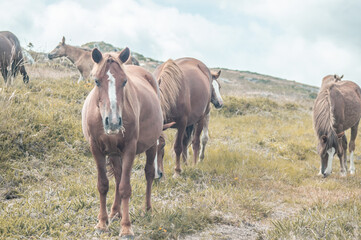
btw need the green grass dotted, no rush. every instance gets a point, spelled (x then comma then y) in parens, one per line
(260, 168)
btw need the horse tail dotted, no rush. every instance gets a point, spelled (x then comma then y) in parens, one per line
(170, 82)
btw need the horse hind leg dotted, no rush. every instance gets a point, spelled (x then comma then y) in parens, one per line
(115, 162)
(178, 146)
(205, 137)
(352, 148)
(196, 140)
(186, 141)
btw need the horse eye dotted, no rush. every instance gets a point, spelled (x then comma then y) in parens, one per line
(125, 82)
(97, 82)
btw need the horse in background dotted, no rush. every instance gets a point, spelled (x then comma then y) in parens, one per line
(331, 78)
(217, 101)
(185, 91)
(121, 118)
(336, 109)
(11, 58)
(80, 57)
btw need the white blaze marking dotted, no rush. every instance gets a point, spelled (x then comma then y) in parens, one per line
(331, 153)
(112, 96)
(156, 162)
(216, 89)
(352, 164)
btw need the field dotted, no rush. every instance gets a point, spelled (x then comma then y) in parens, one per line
(258, 180)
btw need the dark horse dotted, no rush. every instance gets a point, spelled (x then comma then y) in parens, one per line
(11, 57)
(336, 109)
(80, 57)
(121, 117)
(185, 87)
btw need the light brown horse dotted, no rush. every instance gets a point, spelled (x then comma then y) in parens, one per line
(336, 109)
(80, 57)
(185, 87)
(331, 78)
(11, 58)
(217, 101)
(121, 117)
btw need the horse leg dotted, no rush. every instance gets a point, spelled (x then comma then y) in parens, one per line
(158, 161)
(178, 146)
(196, 139)
(24, 73)
(342, 154)
(103, 187)
(352, 147)
(205, 136)
(125, 189)
(117, 171)
(149, 174)
(186, 140)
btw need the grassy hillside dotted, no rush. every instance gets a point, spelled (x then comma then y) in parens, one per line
(258, 180)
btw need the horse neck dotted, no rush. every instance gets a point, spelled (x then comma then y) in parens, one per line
(73, 53)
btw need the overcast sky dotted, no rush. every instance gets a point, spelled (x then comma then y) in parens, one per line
(301, 40)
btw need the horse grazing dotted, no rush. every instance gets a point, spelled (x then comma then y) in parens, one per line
(336, 109)
(11, 58)
(80, 57)
(121, 117)
(185, 93)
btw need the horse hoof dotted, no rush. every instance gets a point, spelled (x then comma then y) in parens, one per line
(101, 228)
(343, 174)
(352, 172)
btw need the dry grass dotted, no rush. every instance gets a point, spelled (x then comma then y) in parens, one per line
(259, 172)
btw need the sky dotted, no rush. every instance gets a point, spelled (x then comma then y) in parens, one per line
(300, 40)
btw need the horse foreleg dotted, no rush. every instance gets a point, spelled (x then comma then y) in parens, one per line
(125, 189)
(103, 187)
(186, 140)
(149, 174)
(158, 160)
(178, 146)
(205, 136)
(196, 139)
(352, 147)
(342, 154)
(117, 171)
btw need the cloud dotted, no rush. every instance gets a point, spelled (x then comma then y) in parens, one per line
(297, 40)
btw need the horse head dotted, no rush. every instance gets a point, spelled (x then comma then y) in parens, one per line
(111, 81)
(216, 98)
(59, 51)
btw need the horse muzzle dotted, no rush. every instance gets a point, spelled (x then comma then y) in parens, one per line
(50, 56)
(113, 126)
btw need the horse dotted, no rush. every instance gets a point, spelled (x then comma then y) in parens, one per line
(185, 93)
(336, 109)
(80, 57)
(121, 117)
(11, 57)
(217, 101)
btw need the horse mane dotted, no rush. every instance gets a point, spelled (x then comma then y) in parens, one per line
(170, 82)
(323, 118)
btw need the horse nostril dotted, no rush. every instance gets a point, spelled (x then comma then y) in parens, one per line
(107, 121)
(120, 121)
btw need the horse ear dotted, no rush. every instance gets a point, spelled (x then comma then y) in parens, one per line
(324, 138)
(124, 55)
(96, 55)
(63, 40)
(341, 76)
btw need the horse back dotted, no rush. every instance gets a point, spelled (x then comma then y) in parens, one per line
(345, 98)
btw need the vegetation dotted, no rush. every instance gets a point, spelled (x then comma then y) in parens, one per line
(260, 172)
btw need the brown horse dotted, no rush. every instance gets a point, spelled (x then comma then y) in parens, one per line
(217, 101)
(336, 109)
(121, 117)
(185, 87)
(80, 57)
(11, 57)
(331, 78)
